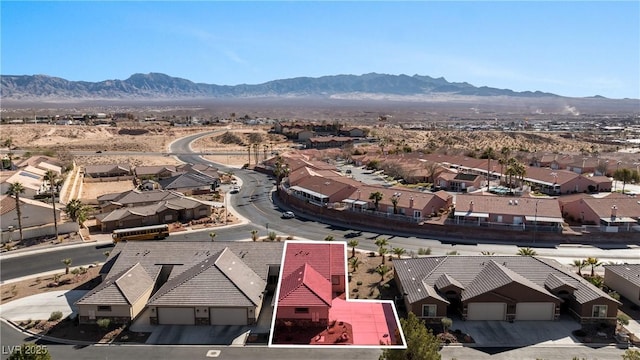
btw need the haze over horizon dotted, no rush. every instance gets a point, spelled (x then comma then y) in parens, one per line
(575, 49)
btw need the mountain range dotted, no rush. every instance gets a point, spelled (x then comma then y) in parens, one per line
(162, 86)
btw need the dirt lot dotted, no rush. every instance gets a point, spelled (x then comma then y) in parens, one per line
(91, 191)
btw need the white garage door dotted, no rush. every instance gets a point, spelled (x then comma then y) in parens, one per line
(535, 311)
(228, 316)
(176, 316)
(486, 311)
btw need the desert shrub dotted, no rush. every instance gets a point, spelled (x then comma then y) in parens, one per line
(103, 323)
(56, 315)
(359, 283)
(423, 251)
(272, 235)
(290, 237)
(623, 319)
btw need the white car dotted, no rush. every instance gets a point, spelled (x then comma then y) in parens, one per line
(235, 189)
(288, 215)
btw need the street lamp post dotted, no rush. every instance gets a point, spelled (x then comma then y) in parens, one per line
(535, 222)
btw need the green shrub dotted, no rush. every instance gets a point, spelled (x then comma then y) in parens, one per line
(623, 319)
(104, 323)
(423, 251)
(56, 315)
(359, 283)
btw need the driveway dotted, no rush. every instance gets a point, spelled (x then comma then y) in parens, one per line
(40, 306)
(199, 335)
(519, 333)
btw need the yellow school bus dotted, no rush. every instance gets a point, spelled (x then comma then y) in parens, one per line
(154, 232)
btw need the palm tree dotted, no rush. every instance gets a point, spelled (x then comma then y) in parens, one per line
(254, 235)
(398, 251)
(490, 154)
(67, 263)
(212, 235)
(527, 252)
(265, 147)
(381, 242)
(77, 211)
(249, 151)
(256, 153)
(593, 262)
(353, 244)
(511, 170)
(52, 177)
(383, 251)
(16, 189)
(376, 197)
(394, 200)
(354, 262)
(382, 270)
(580, 264)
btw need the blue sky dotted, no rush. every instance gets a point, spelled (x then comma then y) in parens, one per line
(570, 48)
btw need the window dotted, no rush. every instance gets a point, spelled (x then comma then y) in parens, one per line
(599, 311)
(104, 308)
(301, 310)
(417, 214)
(429, 310)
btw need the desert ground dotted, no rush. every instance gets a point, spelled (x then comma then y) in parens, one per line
(232, 140)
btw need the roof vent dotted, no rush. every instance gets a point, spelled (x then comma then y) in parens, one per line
(510, 202)
(515, 202)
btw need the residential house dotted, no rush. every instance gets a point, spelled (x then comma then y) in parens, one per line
(614, 212)
(625, 280)
(31, 178)
(190, 183)
(325, 142)
(508, 212)
(353, 132)
(181, 209)
(312, 275)
(133, 198)
(34, 213)
(458, 182)
(110, 170)
(322, 191)
(184, 283)
(413, 204)
(154, 172)
(502, 288)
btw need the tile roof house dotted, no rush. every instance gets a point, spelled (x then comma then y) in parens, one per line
(324, 142)
(184, 283)
(154, 172)
(182, 209)
(410, 203)
(31, 178)
(110, 170)
(625, 280)
(614, 212)
(190, 183)
(34, 213)
(132, 198)
(322, 191)
(312, 275)
(507, 288)
(312, 295)
(517, 213)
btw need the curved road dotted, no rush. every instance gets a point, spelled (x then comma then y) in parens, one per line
(255, 201)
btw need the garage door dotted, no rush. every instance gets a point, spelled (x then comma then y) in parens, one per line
(176, 316)
(486, 311)
(228, 316)
(535, 311)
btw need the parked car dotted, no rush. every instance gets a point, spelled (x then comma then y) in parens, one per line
(288, 215)
(235, 189)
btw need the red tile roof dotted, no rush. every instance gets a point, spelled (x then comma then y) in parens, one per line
(327, 259)
(305, 287)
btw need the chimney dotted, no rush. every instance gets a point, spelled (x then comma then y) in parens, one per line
(411, 202)
(471, 206)
(614, 211)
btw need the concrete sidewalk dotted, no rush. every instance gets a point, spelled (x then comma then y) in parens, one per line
(40, 306)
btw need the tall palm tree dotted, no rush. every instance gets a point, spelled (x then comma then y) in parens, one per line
(376, 197)
(249, 152)
(353, 244)
(580, 264)
(489, 153)
(256, 153)
(594, 263)
(16, 189)
(52, 177)
(398, 251)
